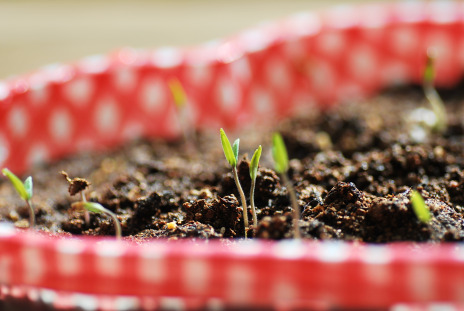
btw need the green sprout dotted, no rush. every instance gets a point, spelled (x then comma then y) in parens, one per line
(99, 209)
(231, 153)
(434, 99)
(253, 172)
(24, 190)
(180, 99)
(279, 153)
(419, 207)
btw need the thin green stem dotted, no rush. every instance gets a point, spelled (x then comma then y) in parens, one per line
(438, 107)
(117, 225)
(31, 214)
(86, 212)
(295, 206)
(242, 197)
(252, 202)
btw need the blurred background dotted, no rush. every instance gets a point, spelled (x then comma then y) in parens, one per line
(34, 33)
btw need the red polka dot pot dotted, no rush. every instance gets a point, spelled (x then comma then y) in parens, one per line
(271, 70)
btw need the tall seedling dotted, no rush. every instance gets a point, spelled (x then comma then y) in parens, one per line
(24, 190)
(253, 172)
(231, 153)
(279, 153)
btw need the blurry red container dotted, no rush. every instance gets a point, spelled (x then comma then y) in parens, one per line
(270, 71)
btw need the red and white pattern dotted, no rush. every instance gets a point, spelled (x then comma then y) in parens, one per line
(271, 70)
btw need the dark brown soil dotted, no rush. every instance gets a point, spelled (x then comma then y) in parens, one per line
(353, 169)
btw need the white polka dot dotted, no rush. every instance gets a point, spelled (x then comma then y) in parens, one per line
(60, 125)
(294, 50)
(321, 75)
(342, 17)
(86, 302)
(421, 282)
(174, 304)
(262, 101)
(109, 261)
(79, 91)
(348, 92)
(362, 62)
(402, 307)
(94, 64)
(48, 296)
(444, 12)
(167, 57)
(196, 274)
(58, 72)
(132, 130)
(376, 254)
(394, 73)
(125, 79)
(333, 251)
(126, 303)
(18, 121)
(199, 75)
(247, 248)
(374, 16)
(227, 95)
(69, 263)
(239, 279)
(405, 40)
(152, 266)
(153, 94)
(240, 69)
(4, 150)
(378, 274)
(228, 52)
(38, 94)
(289, 249)
(255, 40)
(5, 268)
(436, 306)
(107, 116)
(278, 74)
(284, 291)
(38, 153)
(304, 24)
(4, 91)
(332, 43)
(442, 46)
(410, 11)
(6, 229)
(33, 263)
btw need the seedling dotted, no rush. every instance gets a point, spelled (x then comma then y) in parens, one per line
(419, 207)
(434, 99)
(78, 185)
(181, 100)
(231, 153)
(99, 209)
(253, 172)
(24, 190)
(279, 153)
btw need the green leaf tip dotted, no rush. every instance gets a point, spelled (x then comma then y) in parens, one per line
(228, 151)
(94, 207)
(279, 153)
(419, 207)
(235, 149)
(177, 92)
(24, 189)
(255, 162)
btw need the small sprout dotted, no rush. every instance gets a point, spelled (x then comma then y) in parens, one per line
(253, 172)
(99, 209)
(434, 99)
(279, 153)
(24, 190)
(78, 185)
(178, 93)
(231, 153)
(180, 99)
(419, 207)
